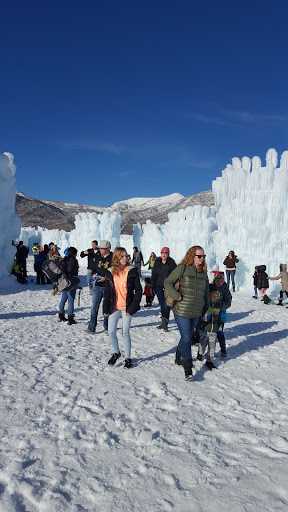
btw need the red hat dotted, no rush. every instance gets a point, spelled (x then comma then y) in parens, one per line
(165, 249)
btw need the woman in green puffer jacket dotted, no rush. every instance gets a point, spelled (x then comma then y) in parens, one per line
(192, 301)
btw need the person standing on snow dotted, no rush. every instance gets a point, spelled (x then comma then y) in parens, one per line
(284, 282)
(230, 264)
(72, 269)
(102, 262)
(91, 253)
(163, 266)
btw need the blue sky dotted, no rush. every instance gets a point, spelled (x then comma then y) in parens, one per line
(103, 101)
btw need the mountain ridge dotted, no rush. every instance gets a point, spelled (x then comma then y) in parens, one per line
(61, 215)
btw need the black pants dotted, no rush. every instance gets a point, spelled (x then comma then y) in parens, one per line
(40, 277)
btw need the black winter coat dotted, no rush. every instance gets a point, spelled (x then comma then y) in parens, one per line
(91, 258)
(160, 271)
(262, 277)
(134, 293)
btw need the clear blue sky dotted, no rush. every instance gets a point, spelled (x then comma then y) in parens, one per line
(106, 100)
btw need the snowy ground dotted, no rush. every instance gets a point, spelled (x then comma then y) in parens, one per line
(77, 435)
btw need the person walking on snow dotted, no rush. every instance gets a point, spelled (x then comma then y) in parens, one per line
(225, 299)
(284, 283)
(122, 296)
(137, 260)
(262, 283)
(192, 299)
(163, 266)
(230, 263)
(209, 327)
(72, 269)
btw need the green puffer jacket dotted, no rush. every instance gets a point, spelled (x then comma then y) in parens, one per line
(194, 289)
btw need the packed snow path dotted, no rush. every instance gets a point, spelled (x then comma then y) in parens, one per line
(77, 435)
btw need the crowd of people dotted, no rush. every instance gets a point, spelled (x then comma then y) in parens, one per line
(199, 307)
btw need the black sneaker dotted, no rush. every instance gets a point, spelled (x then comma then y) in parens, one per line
(127, 363)
(189, 377)
(114, 358)
(210, 365)
(223, 354)
(199, 357)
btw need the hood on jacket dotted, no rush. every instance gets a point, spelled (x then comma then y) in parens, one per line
(261, 268)
(283, 266)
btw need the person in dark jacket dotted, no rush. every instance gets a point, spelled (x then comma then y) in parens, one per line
(21, 257)
(262, 282)
(72, 269)
(102, 262)
(192, 301)
(230, 263)
(209, 326)
(225, 301)
(163, 266)
(40, 279)
(122, 296)
(137, 260)
(91, 253)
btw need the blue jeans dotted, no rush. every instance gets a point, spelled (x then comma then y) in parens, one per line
(112, 328)
(89, 275)
(232, 274)
(70, 296)
(255, 290)
(97, 295)
(165, 310)
(186, 327)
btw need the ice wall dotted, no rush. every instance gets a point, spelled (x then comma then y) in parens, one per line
(190, 226)
(10, 223)
(251, 214)
(88, 227)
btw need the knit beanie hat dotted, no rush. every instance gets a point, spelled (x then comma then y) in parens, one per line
(165, 249)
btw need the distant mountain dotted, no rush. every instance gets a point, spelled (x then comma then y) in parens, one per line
(58, 215)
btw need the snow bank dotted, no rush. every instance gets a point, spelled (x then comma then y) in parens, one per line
(10, 223)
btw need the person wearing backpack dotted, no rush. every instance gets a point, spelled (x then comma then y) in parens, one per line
(72, 270)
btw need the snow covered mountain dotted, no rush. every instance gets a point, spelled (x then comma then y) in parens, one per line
(58, 215)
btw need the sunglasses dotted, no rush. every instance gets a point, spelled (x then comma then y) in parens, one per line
(199, 256)
(164, 252)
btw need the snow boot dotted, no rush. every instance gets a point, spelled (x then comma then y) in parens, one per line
(199, 357)
(280, 302)
(233, 289)
(161, 326)
(178, 357)
(165, 324)
(187, 365)
(222, 343)
(210, 365)
(61, 317)
(266, 299)
(255, 297)
(71, 320)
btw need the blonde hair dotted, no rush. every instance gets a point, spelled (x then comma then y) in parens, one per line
(189, 258)
(153, 255)
(117, 255)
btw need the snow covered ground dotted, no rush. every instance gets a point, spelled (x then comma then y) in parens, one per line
(77, 435)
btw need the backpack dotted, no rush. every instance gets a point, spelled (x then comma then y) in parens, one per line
(56, 271)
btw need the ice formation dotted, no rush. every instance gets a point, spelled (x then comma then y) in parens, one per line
(10, 223)
(250, 217)
(88, 227)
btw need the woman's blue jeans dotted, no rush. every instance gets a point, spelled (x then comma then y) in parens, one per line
(230, 273)
(70, 296)
(165, 310)
(112, 328)
(186, 327)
